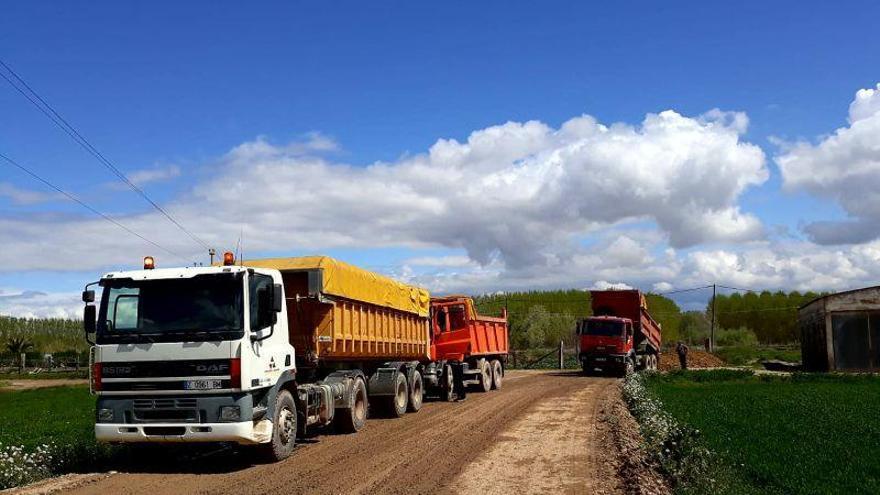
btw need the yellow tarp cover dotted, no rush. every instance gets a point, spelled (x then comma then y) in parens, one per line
(351, 282)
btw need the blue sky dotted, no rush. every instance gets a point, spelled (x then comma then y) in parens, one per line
(173, 88)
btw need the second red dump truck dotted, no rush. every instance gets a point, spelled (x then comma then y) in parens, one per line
(460, 335)
(621, 336)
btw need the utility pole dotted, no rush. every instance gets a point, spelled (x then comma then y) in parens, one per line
(712, 334)
(211, 253)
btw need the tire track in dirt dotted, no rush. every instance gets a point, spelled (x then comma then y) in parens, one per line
(419, 453)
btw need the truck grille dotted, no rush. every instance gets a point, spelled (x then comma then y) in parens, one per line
(164, 403)
(114, 386)
(161, 410)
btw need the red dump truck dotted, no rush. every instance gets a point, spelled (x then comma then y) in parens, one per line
(460, 335)
(621, 336)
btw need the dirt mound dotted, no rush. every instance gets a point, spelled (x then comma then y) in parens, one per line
(696, 359)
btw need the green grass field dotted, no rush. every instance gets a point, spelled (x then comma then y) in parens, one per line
(805, 434)
(64, 415)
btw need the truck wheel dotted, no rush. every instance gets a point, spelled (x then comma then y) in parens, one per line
(397, 403)
(446, 385)
(354, 417)
(416, 392)
(652, 363)
(283, 428)
(586, 369)
(497, 374)
(485, 376)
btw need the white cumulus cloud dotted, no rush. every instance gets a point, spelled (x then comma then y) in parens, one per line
(844, 167)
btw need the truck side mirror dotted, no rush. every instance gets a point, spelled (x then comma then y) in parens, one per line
(89, 320)
(278, 298)
(88, 296)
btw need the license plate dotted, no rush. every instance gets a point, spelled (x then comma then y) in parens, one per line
(599, 360)
(202, 384)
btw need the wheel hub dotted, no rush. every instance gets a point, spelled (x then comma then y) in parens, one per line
(287, 424)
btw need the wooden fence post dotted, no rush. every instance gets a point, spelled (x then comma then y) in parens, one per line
(561, 357)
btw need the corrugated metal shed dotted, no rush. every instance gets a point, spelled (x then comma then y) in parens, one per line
(841, 331)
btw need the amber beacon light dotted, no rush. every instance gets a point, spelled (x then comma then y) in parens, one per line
(149, 263)
(228, 259)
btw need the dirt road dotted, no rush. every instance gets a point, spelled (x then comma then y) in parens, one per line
(538, 434)
(44, 383)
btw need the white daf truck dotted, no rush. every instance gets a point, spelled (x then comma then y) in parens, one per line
(204, 354)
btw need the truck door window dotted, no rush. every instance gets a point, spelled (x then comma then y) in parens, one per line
(260, 286)
(441, 320)
(123, 312)
(457, 320)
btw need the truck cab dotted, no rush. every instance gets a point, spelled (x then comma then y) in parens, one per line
(190, 354)
(606, 343)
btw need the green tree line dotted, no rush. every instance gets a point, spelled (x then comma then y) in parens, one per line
(771, 316)
(46, 335)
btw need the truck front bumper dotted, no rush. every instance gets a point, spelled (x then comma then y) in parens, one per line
(245, 432)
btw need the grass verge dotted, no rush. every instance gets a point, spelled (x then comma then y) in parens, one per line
(800, 434)
(752, 356)
(46, 432)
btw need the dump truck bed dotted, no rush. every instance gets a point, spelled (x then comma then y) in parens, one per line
(338, 312)
(473, 335)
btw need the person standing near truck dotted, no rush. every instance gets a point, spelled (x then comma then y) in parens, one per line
(682, 350)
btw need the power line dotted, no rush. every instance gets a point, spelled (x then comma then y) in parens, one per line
(738, 288)
(85, 205)
(71, 131)
(684, 290)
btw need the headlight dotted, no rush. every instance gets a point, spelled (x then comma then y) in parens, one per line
(105, 415)
(230, 413)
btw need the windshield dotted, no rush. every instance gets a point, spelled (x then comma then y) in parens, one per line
(604, 328)
(201, 308)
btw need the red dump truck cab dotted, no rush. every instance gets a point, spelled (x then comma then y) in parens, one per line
(460, 335)
(621, 336)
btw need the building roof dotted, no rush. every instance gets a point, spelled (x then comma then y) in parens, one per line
(837, 294)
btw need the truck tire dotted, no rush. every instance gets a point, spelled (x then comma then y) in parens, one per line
(485, 376)
(497, 374)
(283, 428)
(416, 392)
(447, 385)
(397, 403)
(353, 418)
(586, 369)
